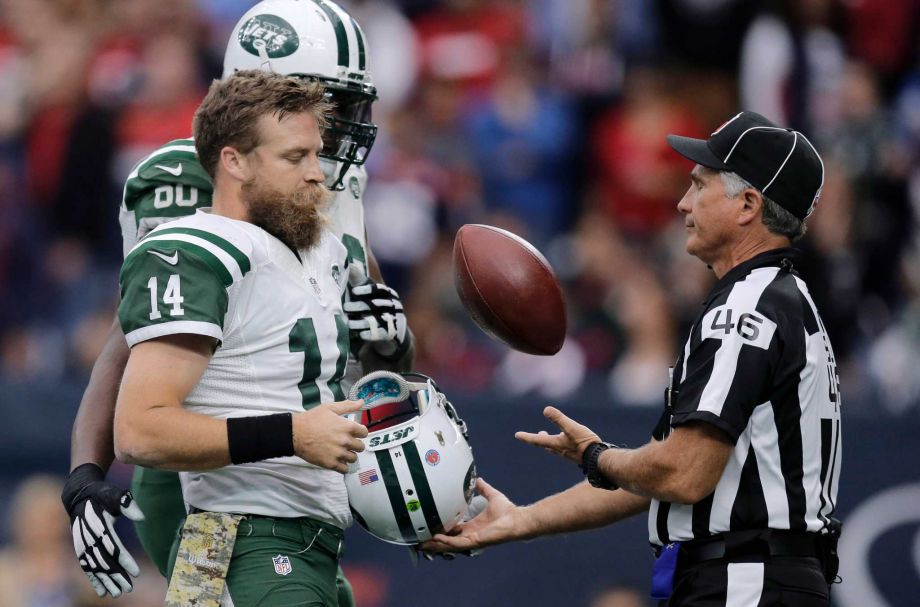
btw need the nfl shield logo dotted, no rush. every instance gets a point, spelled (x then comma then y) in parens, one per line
(282, 564)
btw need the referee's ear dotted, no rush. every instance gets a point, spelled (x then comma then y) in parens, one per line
(752, 206)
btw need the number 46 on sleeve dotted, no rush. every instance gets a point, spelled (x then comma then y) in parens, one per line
(723, 322)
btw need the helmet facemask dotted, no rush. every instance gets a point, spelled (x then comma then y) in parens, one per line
(349, 134)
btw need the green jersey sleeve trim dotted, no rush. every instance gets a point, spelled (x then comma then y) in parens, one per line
(229, 262)
(223, 245)
(175, 327)
(181, 149)
(203, 253)
(178, 145)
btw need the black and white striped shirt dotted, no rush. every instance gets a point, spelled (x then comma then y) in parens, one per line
(759, 365)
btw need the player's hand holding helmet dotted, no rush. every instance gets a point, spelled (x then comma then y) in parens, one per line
(375, 315)
(93, 505)
(416, 476)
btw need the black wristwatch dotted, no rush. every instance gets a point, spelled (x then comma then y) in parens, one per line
(589, 466)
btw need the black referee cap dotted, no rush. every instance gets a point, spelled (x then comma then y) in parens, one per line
(779, 162)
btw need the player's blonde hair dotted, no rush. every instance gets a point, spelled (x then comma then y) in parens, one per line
(229, 114)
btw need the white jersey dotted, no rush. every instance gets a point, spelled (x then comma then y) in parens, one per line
(170, 183)
(283, 346)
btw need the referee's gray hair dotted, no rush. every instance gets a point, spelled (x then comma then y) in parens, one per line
(776, 219)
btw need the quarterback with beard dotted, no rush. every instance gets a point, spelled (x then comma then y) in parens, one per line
(217, 309)
(170, 183)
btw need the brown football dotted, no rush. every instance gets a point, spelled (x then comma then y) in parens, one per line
(509, 289)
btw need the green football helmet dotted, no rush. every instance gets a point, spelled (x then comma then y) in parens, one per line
(319, 40)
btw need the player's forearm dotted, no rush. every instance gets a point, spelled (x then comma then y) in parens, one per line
(171, 438)
(373, 268)
(91, 437)
(151, 426)
(579, 508)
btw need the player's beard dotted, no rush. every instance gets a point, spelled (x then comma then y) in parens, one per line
(295, 218)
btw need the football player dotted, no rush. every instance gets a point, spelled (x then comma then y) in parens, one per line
(319, 41)
(238, 350)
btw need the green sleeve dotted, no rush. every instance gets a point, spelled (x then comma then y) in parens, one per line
(168, 184)
(170, 287)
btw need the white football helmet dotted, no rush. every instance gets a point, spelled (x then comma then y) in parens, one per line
(416, 476)
(319, 40)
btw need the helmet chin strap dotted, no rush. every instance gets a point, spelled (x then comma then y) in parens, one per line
(334, 172)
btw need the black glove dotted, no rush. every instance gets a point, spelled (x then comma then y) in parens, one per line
(375, 315)
(93, 505)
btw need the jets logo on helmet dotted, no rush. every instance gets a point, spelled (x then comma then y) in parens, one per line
(417, 446)
(268, 35)
(319, 40)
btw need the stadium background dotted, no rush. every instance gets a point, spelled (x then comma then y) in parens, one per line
(546, 117)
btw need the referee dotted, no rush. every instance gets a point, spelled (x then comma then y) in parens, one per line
(740, 481)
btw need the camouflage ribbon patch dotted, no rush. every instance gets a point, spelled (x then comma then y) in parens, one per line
(200, 572)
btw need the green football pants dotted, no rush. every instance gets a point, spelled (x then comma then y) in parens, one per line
(281, 562)
(343, 589)
(159, 496)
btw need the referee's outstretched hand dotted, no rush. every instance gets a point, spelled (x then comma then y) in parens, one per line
(570, 443)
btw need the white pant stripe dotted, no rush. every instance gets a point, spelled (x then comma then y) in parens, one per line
(745, 584)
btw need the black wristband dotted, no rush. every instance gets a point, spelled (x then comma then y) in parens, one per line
(78, 479)
(252, 439)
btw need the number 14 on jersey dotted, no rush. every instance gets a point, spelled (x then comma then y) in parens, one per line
(172, 297)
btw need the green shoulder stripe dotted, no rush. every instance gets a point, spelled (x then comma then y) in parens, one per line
(168, 156)
(232, 261)
(225, 245)
(167, 247)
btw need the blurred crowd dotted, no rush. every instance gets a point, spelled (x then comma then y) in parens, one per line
(545, 117)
